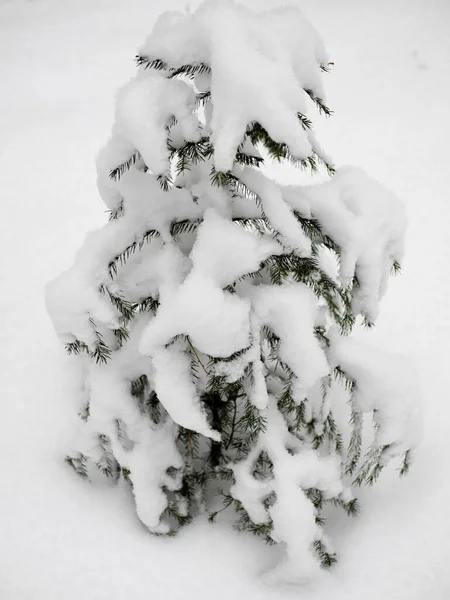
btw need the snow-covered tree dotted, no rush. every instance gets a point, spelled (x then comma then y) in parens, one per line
(212, 315)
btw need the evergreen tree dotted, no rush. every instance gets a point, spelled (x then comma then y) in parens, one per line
(212, 315)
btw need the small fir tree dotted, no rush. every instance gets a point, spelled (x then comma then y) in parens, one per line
(212, 314)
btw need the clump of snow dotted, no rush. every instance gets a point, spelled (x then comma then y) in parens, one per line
(74, 296)
(277, 211)
(295, 469)
(217, 322)
(177, 392)
(144, 107)
(387, 386)
(149, 449)
(366, 221)
(224, 252)
(258, 61)
(290, 311)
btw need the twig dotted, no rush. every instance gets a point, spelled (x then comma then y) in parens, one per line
(198, 357)
(191, 449)
(233, 425)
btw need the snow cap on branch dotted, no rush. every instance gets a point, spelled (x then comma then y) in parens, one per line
(258, 61)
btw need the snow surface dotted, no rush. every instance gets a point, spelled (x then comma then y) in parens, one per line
(65, 539)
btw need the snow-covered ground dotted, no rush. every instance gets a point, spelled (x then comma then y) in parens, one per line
(61, 538)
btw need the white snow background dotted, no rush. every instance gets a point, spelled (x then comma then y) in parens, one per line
(62, 538)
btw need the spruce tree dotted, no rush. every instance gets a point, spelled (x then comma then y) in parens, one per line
(212, 316)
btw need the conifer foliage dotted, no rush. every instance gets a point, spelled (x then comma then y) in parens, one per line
(212, 316)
